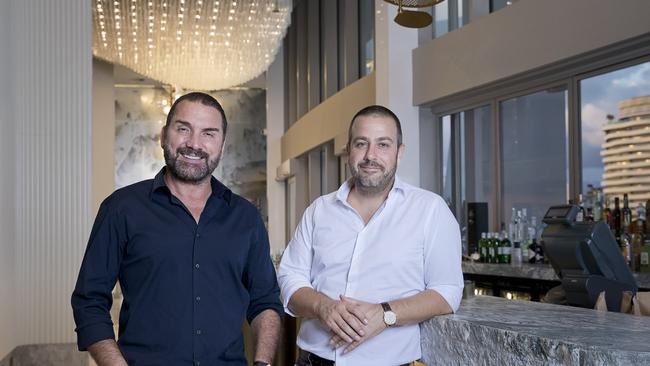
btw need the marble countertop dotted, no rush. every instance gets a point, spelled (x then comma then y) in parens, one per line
(532, 271)
(494, 331)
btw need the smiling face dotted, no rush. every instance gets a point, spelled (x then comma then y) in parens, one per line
(373, 152)
(193, 142)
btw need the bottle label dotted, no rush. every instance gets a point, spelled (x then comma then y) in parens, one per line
(499, 250)
(644, 259)
(491, 252)
(505, 250)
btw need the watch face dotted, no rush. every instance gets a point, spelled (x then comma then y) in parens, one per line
(390, 318)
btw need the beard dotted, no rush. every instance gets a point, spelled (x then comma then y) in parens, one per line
(372, 183)
(189, 173)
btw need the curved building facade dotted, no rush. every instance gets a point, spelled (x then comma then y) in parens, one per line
(626, 152)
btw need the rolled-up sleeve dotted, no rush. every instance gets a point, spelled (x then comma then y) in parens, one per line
(442, 255)
(260, 278)
(295, 267)
(92, 297)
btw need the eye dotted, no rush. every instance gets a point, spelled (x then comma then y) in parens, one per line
(210, 134)
(182, 129)
(360, 144)
(383, 145)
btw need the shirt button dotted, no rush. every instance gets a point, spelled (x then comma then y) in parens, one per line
(198, 235)
(198, 332)
(198, 298)
(197, 266)
(197, 363)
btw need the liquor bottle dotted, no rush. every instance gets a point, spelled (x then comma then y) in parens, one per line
(581, 210)
(506, 249)
(482, 248)
(607, 214)
(641, 216)
(626, 214)
(626, 248)
(647, 225)
(598, 206)
(532, 237)
(616, 214)
(516, 254)
(490, 246)
(512, 226)
(637, 244)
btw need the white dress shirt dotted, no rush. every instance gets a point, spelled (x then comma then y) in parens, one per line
(411, 243)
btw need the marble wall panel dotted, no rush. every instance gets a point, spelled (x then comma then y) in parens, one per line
(139, 117)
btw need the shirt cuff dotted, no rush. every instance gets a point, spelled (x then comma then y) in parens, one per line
(451, 293)
(288, 290)
(93, 333)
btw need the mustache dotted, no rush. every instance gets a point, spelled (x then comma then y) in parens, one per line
(192, 152)
(370, 164)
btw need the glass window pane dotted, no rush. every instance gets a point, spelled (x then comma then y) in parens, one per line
(534, 155)
(615, 120)
(441, 19)
(447, 163)
(366, 37)
(477, 158)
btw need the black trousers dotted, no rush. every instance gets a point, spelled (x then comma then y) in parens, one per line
(309, 359)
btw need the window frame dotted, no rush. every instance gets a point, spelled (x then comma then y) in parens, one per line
(568, 76)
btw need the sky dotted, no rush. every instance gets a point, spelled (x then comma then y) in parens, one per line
(600, 96)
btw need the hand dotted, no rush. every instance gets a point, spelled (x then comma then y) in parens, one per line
(373, 313)
(344, 320)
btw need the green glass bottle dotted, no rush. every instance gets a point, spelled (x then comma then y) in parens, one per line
(506, 246)
(482, 248)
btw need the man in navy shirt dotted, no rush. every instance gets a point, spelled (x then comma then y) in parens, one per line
(192, 259)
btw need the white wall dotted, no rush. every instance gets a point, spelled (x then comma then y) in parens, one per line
(394, 83)
(275, 116)
(7, 191)
(52, 70)
(103, 132)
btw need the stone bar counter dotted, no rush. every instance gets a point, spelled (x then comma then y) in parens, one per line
(531, 271)
(490, 330)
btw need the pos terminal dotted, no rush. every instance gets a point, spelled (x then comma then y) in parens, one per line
(586, 258)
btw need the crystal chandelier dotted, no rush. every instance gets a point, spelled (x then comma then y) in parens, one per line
(193, 44)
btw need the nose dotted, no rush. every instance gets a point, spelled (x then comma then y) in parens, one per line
(193, 141)
(370, 152)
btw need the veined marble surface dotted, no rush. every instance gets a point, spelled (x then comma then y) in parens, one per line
(532, 271)
(494, 331)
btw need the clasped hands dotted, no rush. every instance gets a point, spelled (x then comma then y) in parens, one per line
(351, 321)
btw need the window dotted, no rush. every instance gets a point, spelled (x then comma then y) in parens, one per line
(477, 159)
(366, 37)
(534, 152)
(615, 134)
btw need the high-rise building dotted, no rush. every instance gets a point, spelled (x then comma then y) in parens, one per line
(626, 151)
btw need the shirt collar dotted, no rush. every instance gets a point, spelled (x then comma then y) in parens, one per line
(218, 188)
(344, 190)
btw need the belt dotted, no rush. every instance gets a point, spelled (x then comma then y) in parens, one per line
(312, 359)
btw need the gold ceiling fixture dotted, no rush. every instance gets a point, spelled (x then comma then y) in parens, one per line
(413, 18)
(193, 44)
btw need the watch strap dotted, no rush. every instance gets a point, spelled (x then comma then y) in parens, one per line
(386, 306)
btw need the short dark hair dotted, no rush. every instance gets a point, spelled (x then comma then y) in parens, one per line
(377, 110)
(199, 97)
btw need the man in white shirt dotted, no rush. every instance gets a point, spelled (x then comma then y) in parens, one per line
(371, 261)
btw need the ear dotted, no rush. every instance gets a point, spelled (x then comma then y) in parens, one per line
(400, 152)
(163, 136)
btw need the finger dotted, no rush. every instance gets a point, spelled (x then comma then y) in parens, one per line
(354, 322)
(338, 331)
(355, 309)
(335, 339)
(351, 346)
(348, 331)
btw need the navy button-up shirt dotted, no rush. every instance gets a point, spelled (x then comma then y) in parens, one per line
(187, 287)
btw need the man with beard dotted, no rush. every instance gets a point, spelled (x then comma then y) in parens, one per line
(192, 259)
(369, 262)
